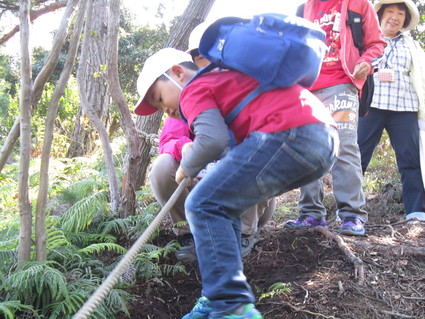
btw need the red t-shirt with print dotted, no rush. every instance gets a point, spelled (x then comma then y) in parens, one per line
(327, 17)
(272, 111)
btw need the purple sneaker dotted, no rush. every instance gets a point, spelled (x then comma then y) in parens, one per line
(352, 225)
(304, 222)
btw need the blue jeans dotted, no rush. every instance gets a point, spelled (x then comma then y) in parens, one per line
(264, 165)
(403, 130)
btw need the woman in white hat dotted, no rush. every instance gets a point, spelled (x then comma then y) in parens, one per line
(399, 101)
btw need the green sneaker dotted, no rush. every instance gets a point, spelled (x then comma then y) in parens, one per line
(200, 311)
(247, 311)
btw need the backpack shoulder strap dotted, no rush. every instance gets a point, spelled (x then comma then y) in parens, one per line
(252, 95)
(202, 71)
(356, 24)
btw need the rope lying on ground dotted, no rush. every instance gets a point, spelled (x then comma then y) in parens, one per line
(113, 277)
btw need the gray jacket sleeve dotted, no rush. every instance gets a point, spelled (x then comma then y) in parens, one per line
(211, 141)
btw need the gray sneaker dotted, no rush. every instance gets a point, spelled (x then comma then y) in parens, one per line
(248, 242)
(187, 252)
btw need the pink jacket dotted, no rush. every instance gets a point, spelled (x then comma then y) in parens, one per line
(373, 40)
(174, 135)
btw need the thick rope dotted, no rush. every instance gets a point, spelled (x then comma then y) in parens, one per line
(100, 293)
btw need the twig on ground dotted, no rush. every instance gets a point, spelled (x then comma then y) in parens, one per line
(398, 223)
(358, 263)
(306, 293)
(295, 308)
(396, 249)
(395, 314)
(341, 289)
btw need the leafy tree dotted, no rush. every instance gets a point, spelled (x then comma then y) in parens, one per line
(9, 73)
(136, 44)
(418, 32)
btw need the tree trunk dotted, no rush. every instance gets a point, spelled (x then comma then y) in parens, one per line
(24, 248)
(96, 86)
(195, 13)
(40, 80)
(128, 194)
(93, 93)
(40, 222)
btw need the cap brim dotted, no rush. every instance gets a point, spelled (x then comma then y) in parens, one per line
(143, 108)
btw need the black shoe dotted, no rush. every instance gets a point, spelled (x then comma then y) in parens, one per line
(248, 242)
(187, 252)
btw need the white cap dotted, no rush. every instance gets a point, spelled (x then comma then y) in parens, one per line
(411, 6)
(196, 35)
(156, 65)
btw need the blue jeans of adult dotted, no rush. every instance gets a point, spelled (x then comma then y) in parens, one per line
(264, 165)
(403, 131)
(343, 104)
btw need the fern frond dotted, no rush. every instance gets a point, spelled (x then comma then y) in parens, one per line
(37, 280)
(7, 258)
(277, 289)
(173, 269)
(83, 239)
(10, 244)
(101, 247)
(117, 301)
(56, 238)
(79, 190)
(181, 223)
(81, 214)
(69, 306)
(117, 226)
(149, 248)
(8, 309)
(141, 223)
(146, 268)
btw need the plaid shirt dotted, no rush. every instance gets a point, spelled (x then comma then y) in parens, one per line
(398, 95)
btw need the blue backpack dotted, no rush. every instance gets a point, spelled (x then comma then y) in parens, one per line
(275, 49)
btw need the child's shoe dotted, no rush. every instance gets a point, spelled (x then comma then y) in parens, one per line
(200, 311)
(305, 222)
(187, 251)
(353, 226)
(247, 311)
(248, 242)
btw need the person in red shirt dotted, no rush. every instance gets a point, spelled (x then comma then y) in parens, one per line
(174, 136)
(344, 71)
(284, 138)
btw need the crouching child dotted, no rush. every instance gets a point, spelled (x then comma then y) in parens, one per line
(283, 139)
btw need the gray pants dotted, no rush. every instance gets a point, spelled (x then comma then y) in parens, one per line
(162, 179)
(342, 102)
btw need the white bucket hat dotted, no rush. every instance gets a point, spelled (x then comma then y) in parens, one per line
(413, 10)
(156, 65)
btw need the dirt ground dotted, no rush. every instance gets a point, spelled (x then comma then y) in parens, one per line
(380, 275)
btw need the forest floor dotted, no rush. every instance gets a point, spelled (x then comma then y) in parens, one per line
(379, 275)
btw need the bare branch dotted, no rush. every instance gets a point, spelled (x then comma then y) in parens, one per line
(34, 14)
